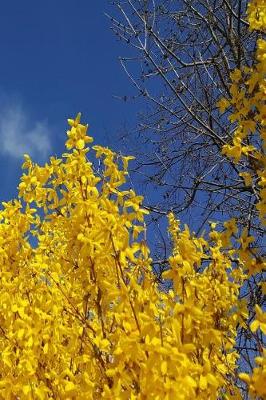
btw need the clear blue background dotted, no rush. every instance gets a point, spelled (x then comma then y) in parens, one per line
(58, 57)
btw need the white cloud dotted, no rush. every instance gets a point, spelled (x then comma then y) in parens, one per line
(20, 135)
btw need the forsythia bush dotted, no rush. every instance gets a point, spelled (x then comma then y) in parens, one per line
(248, 105)
(81, 314)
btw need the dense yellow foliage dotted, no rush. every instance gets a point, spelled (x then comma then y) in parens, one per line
(248, 92)
(81, 314)
(248, 95)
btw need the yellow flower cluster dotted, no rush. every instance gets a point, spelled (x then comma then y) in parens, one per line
(248, 147)
(256, 382)
(257, 14)
(81, 315)
(248, 92)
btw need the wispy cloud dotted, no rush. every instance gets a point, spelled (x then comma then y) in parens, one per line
(20, 135)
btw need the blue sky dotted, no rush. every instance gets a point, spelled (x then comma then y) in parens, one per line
(57, 58)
